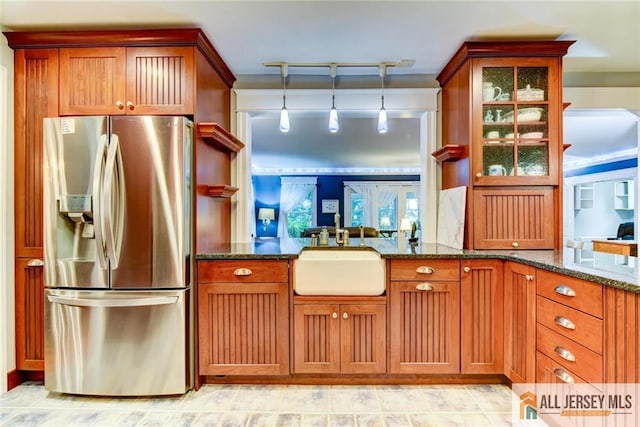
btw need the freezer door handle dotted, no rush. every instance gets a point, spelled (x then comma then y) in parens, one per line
(134, 302)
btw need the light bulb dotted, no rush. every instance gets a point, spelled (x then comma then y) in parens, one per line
(284, 120)
(334, 126)
(383, 125)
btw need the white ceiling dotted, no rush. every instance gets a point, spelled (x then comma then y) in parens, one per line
(250, 33)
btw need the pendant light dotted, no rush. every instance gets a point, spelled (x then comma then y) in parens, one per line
(334, 125)
(383, 125)
(284, 113)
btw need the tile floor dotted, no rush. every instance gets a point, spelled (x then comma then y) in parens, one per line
(235, 405)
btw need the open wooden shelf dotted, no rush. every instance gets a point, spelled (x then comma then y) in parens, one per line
(449, 153)
(220, 190)
(215, 134)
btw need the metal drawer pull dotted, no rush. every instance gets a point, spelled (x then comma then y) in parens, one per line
(424, 287)
(565, 354)
(423, 269)
(36, 262)
(466, 269)
(242, 272)
(565, 290)
(564, 322)
(562, 375)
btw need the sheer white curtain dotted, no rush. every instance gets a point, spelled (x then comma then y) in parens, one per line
(293, 190)
(368, 193)
(386, 194)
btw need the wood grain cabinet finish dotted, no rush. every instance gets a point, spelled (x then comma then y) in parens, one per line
(519, 322)
(127, 80)
(337, 337)
(424, 320)
(502, 112)
(621, 336)
(243, 327)
(516, 218)
(29, 300)
(36, 97)
(482, 317)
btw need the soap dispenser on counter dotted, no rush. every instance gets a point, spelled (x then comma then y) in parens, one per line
(324, 237)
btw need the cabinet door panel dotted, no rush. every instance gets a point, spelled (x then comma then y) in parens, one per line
(482, 312)
(243, 329)
(425, 327)
(160, 80)
(363, 338)
(512, 218)
(520, 322)
(316, 338)
(92, 81)
(36, 97)
(29, 315)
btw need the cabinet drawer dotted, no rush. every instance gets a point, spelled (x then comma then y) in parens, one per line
(579, 294)
(240, 271)
(425, 269)
(584, 362)
(571, 323)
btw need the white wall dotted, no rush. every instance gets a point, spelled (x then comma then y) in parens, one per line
(7, 329)
(603, 219)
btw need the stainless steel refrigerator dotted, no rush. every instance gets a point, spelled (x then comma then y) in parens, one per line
(118, 245)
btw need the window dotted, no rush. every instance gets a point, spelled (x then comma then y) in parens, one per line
(381, 204)
(298, 203)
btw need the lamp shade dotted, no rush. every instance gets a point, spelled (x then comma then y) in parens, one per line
(405, 224)
(267, 213)
(385, 221)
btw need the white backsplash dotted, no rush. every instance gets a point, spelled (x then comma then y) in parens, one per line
(451, 208)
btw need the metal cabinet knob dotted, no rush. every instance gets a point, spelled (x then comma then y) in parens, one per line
(565, 290)
(35, 262)
(466, 269)
(562, 375)
(345, 315)
(564, 322)
(515, 244)
(120, 105)
(334, 315)
(130, 105)
(479, 175)
(528, 277)
(242, 272)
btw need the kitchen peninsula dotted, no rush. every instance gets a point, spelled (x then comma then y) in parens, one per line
(446, 315)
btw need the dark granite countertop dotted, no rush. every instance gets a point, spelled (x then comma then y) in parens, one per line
(607, 269)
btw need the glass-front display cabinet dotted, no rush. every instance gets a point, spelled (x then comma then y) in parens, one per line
(516, 129)
(502, 139)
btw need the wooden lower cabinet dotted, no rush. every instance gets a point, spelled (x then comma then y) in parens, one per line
(332, 337)
(482, 317)
(424, 327)
(519, 322)
(243, 329)
(621, 336)
(29, 300)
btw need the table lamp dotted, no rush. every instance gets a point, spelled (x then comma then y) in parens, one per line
(266, 215)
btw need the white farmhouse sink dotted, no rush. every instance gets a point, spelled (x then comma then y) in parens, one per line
(339, 272)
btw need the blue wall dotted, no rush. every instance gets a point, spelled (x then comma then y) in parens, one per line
(267, 194)
(603, 167)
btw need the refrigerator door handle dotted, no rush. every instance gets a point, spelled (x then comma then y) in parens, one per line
(133, 302)
(113, 202)
(98, 218)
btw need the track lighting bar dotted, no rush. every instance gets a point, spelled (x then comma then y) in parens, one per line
(404, 63)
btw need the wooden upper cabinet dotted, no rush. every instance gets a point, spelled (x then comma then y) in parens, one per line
(127, 80)
(502, 112)
(513, 217)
